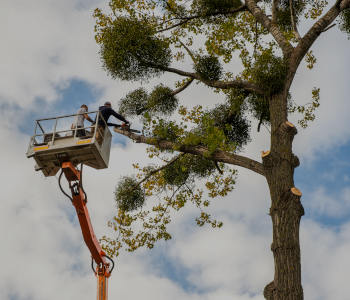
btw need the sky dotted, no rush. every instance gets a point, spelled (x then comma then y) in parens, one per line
(49, 66)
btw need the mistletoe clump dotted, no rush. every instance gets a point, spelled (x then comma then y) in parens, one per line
(208, 67)
(260, 108)
(166, 130)
(176, 173)
(130, 51)
(200, 166)
(210, 6)
(162, 100)
(284, 13)
(134, 103)
(186, 169)
(233, 124)
(269, 72)
(129, 194)
(344, 22)
(208, 135)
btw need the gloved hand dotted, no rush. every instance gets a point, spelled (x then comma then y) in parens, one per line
(125, 125)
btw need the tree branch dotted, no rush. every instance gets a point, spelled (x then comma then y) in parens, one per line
(185, 20)
(274, 10)
(310, 37)
(248, 86)
(292, 17)
(270, 26)
(218, 155)
(173, 26)
(189, 52)
(180, 89)
(218, 168)
(329, 27)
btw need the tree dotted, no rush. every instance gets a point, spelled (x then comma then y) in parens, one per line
(143, 39)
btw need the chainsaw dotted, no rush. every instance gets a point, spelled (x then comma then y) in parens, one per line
(126, 127)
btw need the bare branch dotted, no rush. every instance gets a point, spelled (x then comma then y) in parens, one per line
(218, 155)
(255, 10)
(329, 27)
(230, 11)
(248, 86)
(173, 26)
(310, 37)
(184, 20)
(293, 17)
(180, 89)
(189, 52)
(274, 10)
(256, 39)
(218, 168)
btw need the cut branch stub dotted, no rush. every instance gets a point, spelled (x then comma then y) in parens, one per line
(289, 127)
(267, 160)
(289, 124)
(281, 141)
(290, 198)
(265, 153)
(295, 161)
(269, 291)
(296, 191)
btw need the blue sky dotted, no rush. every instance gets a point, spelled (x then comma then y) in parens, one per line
(71, 97)
(331, 171)
(37, 224)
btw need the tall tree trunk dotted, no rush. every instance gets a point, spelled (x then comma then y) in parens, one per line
(286, 209)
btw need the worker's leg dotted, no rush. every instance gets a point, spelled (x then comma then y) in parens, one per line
(80, 132)
(100, 133)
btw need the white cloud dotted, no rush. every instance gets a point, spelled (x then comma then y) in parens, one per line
(45, 45)
(325, 261)
(233, 259)
(329, 203)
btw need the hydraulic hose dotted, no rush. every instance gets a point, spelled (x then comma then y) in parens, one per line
(62, 190)
(81, 181)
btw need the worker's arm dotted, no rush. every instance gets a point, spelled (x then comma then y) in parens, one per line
(118, 116)
(112, 124)
(86, 116)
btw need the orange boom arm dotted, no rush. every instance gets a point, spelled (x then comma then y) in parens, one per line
(79, 200)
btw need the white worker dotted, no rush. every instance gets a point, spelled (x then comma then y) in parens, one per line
(80, 118)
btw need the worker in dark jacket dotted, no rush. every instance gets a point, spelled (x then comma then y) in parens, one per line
(105, 112)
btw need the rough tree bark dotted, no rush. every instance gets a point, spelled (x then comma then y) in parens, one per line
(286, 209)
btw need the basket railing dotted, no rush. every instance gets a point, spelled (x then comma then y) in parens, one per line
(53, 133)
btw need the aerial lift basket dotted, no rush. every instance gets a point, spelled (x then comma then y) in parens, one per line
(57, 139)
